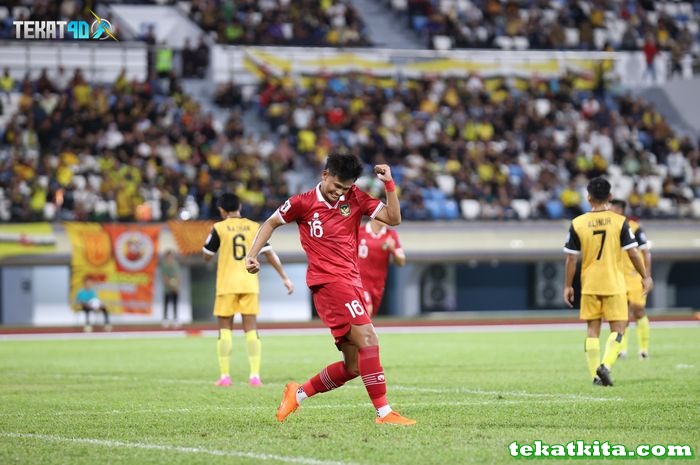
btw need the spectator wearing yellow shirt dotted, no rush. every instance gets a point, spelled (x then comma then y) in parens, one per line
(7, 83)
(571, 200)
(650, 202)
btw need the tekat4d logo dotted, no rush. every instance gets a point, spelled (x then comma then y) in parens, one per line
(100, 29)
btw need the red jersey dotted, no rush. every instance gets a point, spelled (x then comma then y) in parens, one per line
(374, 255)
(328, 233)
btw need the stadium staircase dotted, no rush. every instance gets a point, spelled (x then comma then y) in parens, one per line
(384, 28)
(672, 101)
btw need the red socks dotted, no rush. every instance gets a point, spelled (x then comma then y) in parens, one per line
(331, 377)
(373, 375)
(335, 375)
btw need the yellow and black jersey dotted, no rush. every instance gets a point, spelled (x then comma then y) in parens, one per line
(643, 243)
(232, 238)
(600, 237)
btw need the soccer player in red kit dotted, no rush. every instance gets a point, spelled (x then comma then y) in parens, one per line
(328, 218)
(377, 245)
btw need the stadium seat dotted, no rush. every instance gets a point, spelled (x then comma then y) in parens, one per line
(446, 183)
(21, 11)
(399, 5)
(49, 211)
(614, 172)
(656, 183)
(521, 43)
(622, 187)
(666, 207)
(652, 17)
(420, 23)
(695, 208)
(661, 171)
(471, 209)
(451, 211)
(522, 208)
(503, 42)
(600, 36)
(80, 182)
(572, 37)
(442, 43)
(555, 209)
(434, 208)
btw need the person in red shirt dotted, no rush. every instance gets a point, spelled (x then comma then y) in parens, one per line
(377, 245)
(650, 51)
(328, 218)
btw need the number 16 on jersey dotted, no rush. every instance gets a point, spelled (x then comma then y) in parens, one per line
(355, 308)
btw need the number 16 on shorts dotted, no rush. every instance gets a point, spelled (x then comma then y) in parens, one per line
(355, 308)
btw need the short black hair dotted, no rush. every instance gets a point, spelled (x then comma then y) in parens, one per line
(345, 167)
(229, 202)
(619, 203)
(599, 189)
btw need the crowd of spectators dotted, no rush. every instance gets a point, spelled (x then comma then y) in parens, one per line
(558, 24)
(310, 23)
(495, 148)
(501, 147)
(127, 151)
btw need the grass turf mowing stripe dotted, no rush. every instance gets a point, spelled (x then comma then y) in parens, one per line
(310, 405)
(178, 449)
(396, 387)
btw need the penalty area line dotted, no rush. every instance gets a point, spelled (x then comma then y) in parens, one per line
(176, 449)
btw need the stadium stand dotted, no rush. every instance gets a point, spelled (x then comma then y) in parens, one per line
(475, 147)
(319, 23)
(470, 148)
(133, 150)
(495, 148)
(556, 25)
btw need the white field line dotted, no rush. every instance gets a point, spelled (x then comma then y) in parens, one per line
(178, 449)
(322, 331)
(306, 406)
(390, 387)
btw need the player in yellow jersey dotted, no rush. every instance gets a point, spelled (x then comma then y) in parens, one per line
(237, 290)
(636, 298)
(600, 236)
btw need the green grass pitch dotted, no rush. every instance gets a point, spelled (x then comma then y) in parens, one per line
(152, 401)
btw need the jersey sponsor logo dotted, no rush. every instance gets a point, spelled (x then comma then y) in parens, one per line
(345, 209)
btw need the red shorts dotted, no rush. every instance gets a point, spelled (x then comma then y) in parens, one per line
(339, 305)
(372, 298)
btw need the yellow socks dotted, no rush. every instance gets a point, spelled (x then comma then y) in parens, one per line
(612, 349)
(254, 350)
(223, 349)
(592, 347)
(643, 334)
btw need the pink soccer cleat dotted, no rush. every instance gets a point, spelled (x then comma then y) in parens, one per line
(255, 381)
(224, 381)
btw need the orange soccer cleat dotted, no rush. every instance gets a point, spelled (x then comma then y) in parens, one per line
(394, 419)
(289, 402)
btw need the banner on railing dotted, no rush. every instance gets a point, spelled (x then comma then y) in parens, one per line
(120, 260)
(26, 239)
(190, 235)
